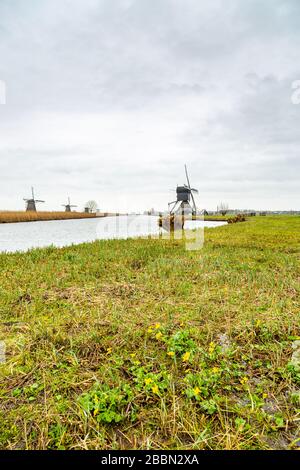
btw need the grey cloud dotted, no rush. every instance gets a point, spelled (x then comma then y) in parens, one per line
(102, 93)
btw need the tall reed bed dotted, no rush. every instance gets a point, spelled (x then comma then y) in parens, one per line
(19, 216)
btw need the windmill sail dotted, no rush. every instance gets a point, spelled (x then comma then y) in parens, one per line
(31, 202)
(192, 190)
(185, 197)
(68, 206)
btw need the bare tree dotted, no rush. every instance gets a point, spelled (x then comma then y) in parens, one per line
(91, 206)
(223, 208)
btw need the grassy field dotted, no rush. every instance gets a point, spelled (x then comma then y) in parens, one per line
(216, 217)
(142, 344)
(19, 216)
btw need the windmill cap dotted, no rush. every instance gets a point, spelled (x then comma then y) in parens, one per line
(182, 189)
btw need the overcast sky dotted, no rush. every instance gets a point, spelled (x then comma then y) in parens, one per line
(107, 99)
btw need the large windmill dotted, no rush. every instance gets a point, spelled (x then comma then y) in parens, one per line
(68, 207)
(185, 198)
(31, 203)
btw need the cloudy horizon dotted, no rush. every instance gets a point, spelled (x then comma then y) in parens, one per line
(108, 100)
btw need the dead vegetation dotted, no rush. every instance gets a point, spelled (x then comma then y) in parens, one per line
(19, 216)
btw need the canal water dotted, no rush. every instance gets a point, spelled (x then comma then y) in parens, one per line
(23, 236)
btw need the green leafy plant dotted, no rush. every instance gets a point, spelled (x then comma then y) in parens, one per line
(180, 343)
(149, 381)
(57, 433)
(108, 404)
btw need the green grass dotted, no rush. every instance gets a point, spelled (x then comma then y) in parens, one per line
(142, 344)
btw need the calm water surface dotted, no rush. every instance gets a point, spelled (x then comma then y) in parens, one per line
(23, 236)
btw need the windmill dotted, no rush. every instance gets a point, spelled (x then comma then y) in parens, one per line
(31, 203)
(185, 197)
(68, 207)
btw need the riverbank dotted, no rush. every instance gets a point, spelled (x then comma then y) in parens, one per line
(141, 344)
(178, 222)
(23, 216)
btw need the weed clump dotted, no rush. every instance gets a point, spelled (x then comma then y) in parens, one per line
(108, 405)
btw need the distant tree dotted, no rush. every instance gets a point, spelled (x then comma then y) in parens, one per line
(223, 208)
(91, 206)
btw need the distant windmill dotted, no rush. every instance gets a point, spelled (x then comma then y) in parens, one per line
(31, 203)
(184, 196)
(68, 206)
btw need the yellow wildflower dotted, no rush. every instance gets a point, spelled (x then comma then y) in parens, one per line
(96, 411)
(150, 329)
(265, 395)
(109, 350)
(155, 389)
(186, 356)
(132, 355)
(157, 325)
(215, 370)
(158, 335)
(244, 380)
(171, 353)
(148, 380)
(196, 391)
(212, 347)
(181, 323)
(258, 323)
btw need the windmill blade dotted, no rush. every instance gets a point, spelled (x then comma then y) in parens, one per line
(187, 176)
(194, 204)
(39, 200)
(32, 192)
(194, 190)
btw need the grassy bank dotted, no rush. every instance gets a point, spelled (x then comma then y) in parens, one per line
(19, 216)
(217, 217)
(142, 344)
